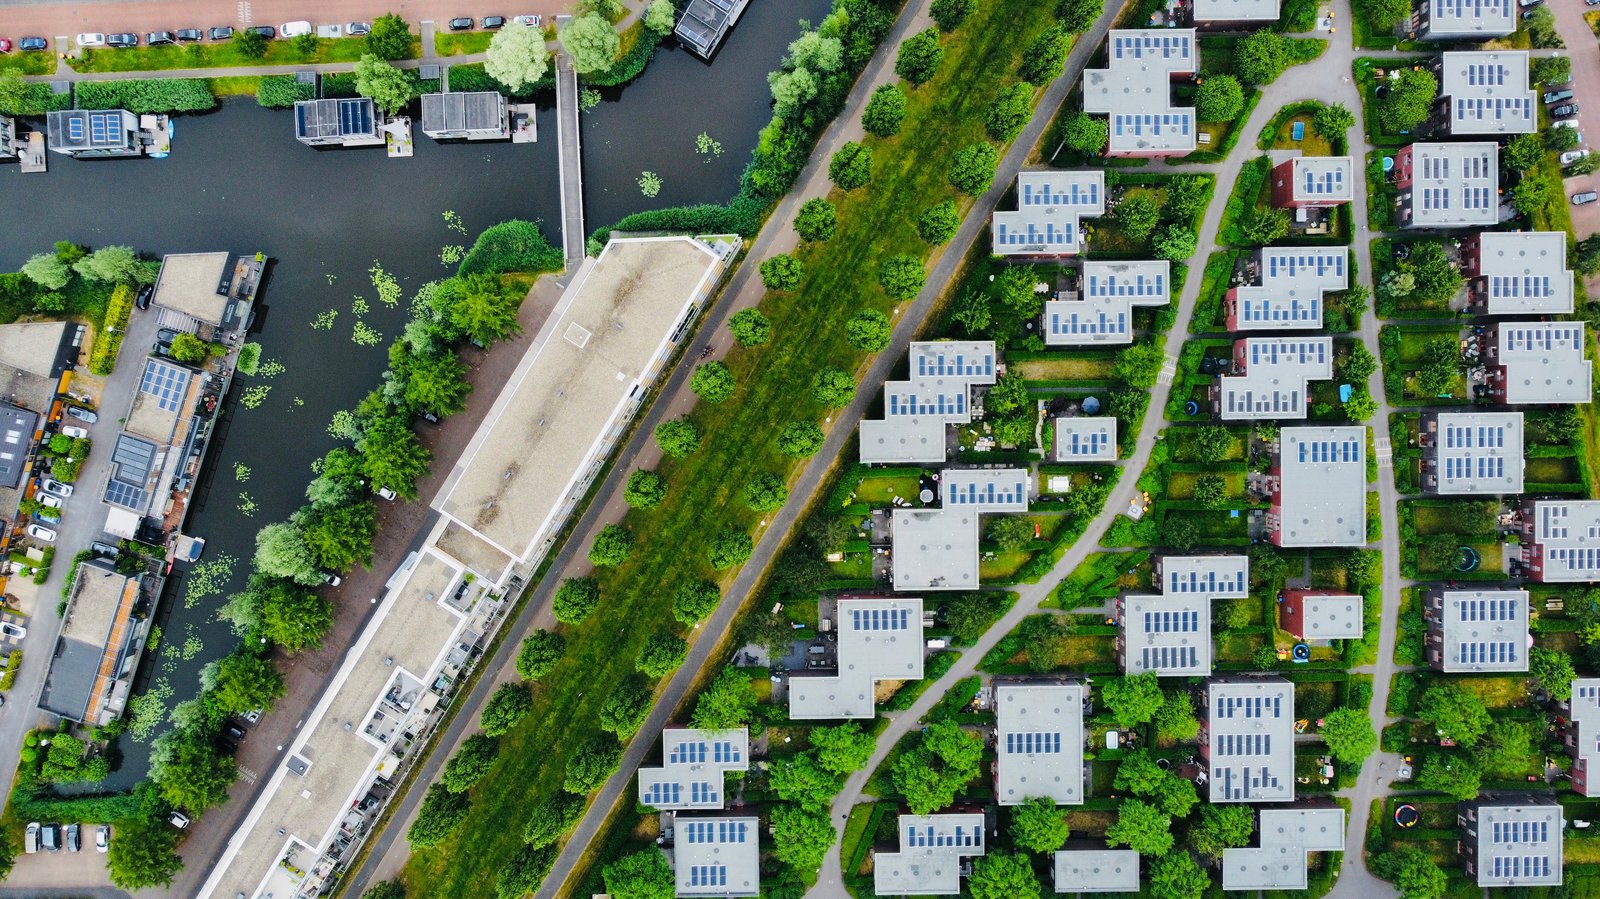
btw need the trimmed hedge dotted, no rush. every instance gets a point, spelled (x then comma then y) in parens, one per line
(511, 246)
(342, 85)
(151, 95)
(35, 804)
(283, 91)
(472, 77)
(38, 99)
(109, 341)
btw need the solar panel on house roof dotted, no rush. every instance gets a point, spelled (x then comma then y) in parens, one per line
(167, 383)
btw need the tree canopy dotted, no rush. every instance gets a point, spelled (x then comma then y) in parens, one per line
(1410, 100)
(390, 37)
(540, 652)
(510, 703)
(713, 382)
(645, 490)
(694, 600)
(885, 112)
(591, 42)
(972, 168)
(388, 87)
(470, 763)
(1349, 735)
(1003, 875)
(919, 56)
(726, 704)
(1038, 826)
(817, 220)
(611, 546)
(517, 57)
(642, 875)
(1141, 827)
(661, 654)
(576, 598)
(1132, 700)
(1219, 99)
(678, 437)
(1454, 713)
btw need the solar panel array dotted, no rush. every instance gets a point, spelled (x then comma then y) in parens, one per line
(986, 493)
(1329, 451)
(908, 402)
(1235, 745)
(880, 619)
(1280, 263)
(1137, 285)
(1241, 398)
(1172, 621)
(1150, 44)
(1208, 582)
(1244, 783)
(1091, 443)
(1493, 653)
(106, 129)
(1045, 236)
(719, 832)
(1272, 311)
(167, 383)
(929, 836)
(1168, 658)
(1463, 468)
(663, 794)
(1529, 830)
(1517, 287)
(1322, 183)
(1257, 705)
(1493, 108)
(132, 461)
(1470, 436)
(1485, 74)
(1471, 9)
(933, 362)
(1521, 866)
(1313, 352)
(1073, 323)
(1541, 338)
(1480, 608)
(1153, 124)
(1065, 189)
(708, 875)
(1034, 742)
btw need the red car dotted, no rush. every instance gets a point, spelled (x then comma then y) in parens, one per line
(5, 45)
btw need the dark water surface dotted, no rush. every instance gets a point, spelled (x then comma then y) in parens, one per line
(238, 181)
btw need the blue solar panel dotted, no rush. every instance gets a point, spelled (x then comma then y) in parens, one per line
(166, 383)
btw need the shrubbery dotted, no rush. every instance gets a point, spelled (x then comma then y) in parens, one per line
(283, 91)
(511, 246)
(107, 343)
(153, 95)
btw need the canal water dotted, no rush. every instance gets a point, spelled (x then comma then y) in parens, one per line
(238, 181)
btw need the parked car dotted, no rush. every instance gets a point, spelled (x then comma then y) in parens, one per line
(82, 414)
(189, 34)
(266, 31)
(179, 820)
(123, 41)
(73, 833)
(464, 23)
(12, 631)
(33, 44)
(532, 21)
(109, 550)
(294, 29)
(1585, 198)
(160, 38)
(48, 535)
(492, 22)
(234, 732)
(1571, 156)
(1529, 14)
(102, 838)
(51, 485)
(331, 579)
(142, 300)
(31, 844)
(220, 33)
(387, 494)
(1564, 111)
(74, 431)
(5, 45)
(91, 39)
(1556, 96)
(1591, 2)
(50, 837)
(1527, 3)
(48, 500)
(357, 29)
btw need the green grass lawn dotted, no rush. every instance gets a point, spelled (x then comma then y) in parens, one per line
(29, 64)
(462, 43)
(1089, 367)
(881, 487)
(223, 54)
(943, 116)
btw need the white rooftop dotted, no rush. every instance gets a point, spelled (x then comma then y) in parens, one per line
(1039, 743)
(1096, 871)
(1322, 495)
(1287, 834)
(1478, 453)
(1488, 92)
(1289, 291)
(1567, 533)
(1276, 377)
(1327, 179)
(1236, 10)
(1454, 185)
(879, 639)
(1584, 712)
(932, 851)
(1483, 631)
(937, 549)
(1468, 19)
(1086, 438)
(1135, 89)
(1168, 635)
(717, 856)
(1219, 577)
(1103, 311)
(1249, 733)
(916, 411)
(985, 489)
(1524, 272)
(1519, 844)
(1050, 204)
(1331, 616)
(1544, 362)
(693, 762)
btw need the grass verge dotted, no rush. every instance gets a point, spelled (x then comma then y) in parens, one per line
(224, 54)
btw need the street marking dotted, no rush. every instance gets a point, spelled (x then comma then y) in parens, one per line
(247, 775)
(1169, 371)
(1383, 449)
(244, 13)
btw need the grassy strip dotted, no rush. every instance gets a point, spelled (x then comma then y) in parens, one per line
(1244, 199)
(462, 43)
(235, 85)
(909, 174)
(223, 55)
(30, 64)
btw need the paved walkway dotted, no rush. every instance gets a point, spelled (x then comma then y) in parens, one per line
(569, 157)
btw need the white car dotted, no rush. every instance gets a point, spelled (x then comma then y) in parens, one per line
(41, 533)
(528, 20)
(49, 500)
(91, 39)
(12, 631)
(51, 485)
(294, 29)
(102, 838)
(1571, 156)
(74, 431)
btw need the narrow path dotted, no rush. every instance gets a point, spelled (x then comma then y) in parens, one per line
(569, 158)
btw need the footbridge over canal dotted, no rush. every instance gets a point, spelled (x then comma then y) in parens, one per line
(569, 156)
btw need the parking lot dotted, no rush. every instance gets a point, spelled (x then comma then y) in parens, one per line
(1584, 52)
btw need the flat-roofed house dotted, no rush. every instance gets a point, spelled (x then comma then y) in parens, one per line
(98, 650)
(1581, 734)
(1511, 841)
(1219, 577)
(1317, 616)
(1476, 631)
(10, 148)
(1319, 487)
(93, 133)
(1135, 90)
(1448, 185)
(1313, 182)
(1085, 438)
(1287, 835)
(1236, 12)
(1517, 273)
(17, 427)
(1471, 453)
(1465, 20)
(1535, 363)
(879, 639)
(1047, 222)
(718, 857)
(937, 549)
(1485, 92)
(1274, 377)
(466, 115)
(1561, 540)
(1102, 312)
(1247, 739)
(918, 410)
(1039, 743)
(1095, 871)
(350, 122)
(1170, 633)
(1289, 289)
(705, 23)
(693, 764)
(933, 853)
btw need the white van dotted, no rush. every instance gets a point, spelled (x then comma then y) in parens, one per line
(294, 29)
(31, 845)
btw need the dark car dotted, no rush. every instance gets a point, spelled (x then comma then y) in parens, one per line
(122, 41)
(189, 34)
(1566, 111)
(493, 22)
(461, 24)
(74, 842)
(33, 43)
(266, 31)
(1529, 14)
(220, 33)
(357, 29)
(160, 38)
(234, 732)
(1556, 96)
(142, 301)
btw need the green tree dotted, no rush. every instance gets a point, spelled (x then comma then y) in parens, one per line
(945, 761)
(850, 166)
(833, 388)
(592, 763)
(388, 87)
(1222, 827)
(919, 56)
(1414, 873)
(1078, 15)
(1176, 876)
(1587, 257)
(339, 536)
(1084, 133)
(1137, 214)
(47, 270)
(1358, 366)
(436, 383)
(1009, 113)
(1046, 57)
(1550, 70)
(817, 220)
(1175, 243)
(642, 875)
(1508, 751)
(1138, 773)
(1533, 193)
(1333, 121)
(939, 223)
(678, 437)
(541, 651)
(1561, 140)
(645, 490)
(291, 616)
(1212, 443)
(1260, 57)
(1139, 364)
(591, 42)
(625, 708)
(392, 456)
(1441, 366)
(1409, 101)
(949, 14)
(112, 265)
(1003, 875)
(693, 601)
(885, 112)
(1587, 164)
(1454, 713)
(765, 492)
(1211, 492)
(801, 780)
(660, 16)
(1176, 796)
(1554, 672)
(1264, 226)
(661, 655)
(390, 37)
(1175, 720)
(750, 327)
(479, 307)
(576, 598)
(972, 310)
(1141, 827)
(800, 439)
(713, 382)
(441, 813)
(517, 57)
(193, 775)
(1360, 406)
(729, 547)
(842, 749)
(1186, 196)
(726, 704)
(250, 44)
(1349, 735)
(510, 703)
(245, 682)
(551, 819)
(1219, 99)
(801, 837)
(1011, 533)
(972, 168)
(305, 45)
(782, 272)
(901, 276)
(470, 763)
(1364, 569)
(1541, 27)
(1038, 826)
(188, 349)
(611, 546)
(144, 854)
(523, 873)
(282, 551)
(1523, 152)
(385, 889)
(1132, 700)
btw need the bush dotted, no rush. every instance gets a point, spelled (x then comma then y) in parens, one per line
(1219, 99)
(833, 388)
(765, 492)
(611, 546)
(919, 56)
(800, 439)
(511, 246)
(728, 548)
(541, 651)
(470, 763)
(782, 272)
(869, 330)
(1045, 59)
(678, 437)
(661, 655)
(575, 598)
(249, 361)
(949, 14)
(18, 97)
(885, 111)
(442, 811)
(155, 95)
(816, 220)
(283, 91)
(972, 168)
(107, 343)
(713, 382)
(1010, 112)
(645, 490)
(750, 327)
(506, 708)
(851, 166)
(694, 600)
(939, 223)
(901, 276)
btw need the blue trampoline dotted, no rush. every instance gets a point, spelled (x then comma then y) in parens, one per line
(1299, 132)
